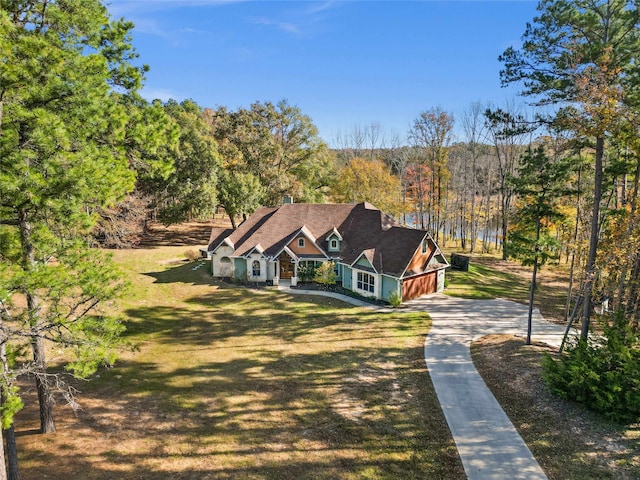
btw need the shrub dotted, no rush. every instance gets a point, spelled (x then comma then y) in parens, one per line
(306, 272)
(601, 373)
(325, 274)
(395, 299)
(192, 255)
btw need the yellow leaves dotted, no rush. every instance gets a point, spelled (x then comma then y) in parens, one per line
(369, 181)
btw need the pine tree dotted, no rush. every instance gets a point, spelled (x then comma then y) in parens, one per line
(540, 185)
(63, 155)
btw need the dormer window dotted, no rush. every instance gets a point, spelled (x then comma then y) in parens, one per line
(301, 242)
(333, 241)
(425, 246)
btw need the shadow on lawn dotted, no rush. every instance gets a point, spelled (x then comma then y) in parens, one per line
(357, 412)
(195, 273)
(235, 312)
(255, 385)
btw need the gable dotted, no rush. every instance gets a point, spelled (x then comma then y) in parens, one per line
(364, 262)
(302, 245)
(426, 258)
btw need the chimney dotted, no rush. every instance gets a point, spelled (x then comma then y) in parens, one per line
(288, 199)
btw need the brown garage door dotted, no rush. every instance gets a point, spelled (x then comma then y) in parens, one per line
(419, 285)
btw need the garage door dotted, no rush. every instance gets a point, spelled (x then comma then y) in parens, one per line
(419, 285)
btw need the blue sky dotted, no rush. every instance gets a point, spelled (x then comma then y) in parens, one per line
(343, 63)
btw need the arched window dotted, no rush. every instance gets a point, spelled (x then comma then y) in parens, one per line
(225, 260)
(255, 268)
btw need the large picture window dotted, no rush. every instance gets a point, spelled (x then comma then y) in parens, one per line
(255, 268)
(366, 282)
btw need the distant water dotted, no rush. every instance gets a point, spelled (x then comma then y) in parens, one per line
(494, 233)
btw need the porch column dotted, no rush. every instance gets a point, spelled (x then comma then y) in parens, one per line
(294, 279)
(276, 272)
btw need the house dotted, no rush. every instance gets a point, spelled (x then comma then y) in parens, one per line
(374, 255)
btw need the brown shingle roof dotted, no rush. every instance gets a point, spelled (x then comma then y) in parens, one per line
(389, 245)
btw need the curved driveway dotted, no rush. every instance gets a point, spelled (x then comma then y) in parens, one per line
(488, 443)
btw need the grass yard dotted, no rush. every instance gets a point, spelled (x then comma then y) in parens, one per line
(230, 383)
(491, 277)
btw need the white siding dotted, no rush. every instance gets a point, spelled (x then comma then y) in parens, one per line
(221, 268)
(377, 285)
(255, 257)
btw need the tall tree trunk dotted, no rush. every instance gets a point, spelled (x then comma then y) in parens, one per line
(622, 283)
(12, 453)
(487, 224)
(576, 231)
(504, 226)
(233, 221)
(45, 398)
(634, 285)
(3, 464)
(532, 290)
(593, 240)
(474, 227)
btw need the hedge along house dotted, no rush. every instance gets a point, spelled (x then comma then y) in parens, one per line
(374, 255)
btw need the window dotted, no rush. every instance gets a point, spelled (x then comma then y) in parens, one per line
(366, 282)
(425, 246)
(333, 244)
(255, 268)
(225, 260)
(301, 242)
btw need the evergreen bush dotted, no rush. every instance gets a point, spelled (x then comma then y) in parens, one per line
(602, 373)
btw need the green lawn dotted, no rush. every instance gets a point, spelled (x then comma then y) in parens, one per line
(249, 384)
(490, 277)
(482, 282)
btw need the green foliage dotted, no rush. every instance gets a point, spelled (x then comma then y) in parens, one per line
(70, 138)
(10, 405)
(240, 193)
(326, 274)
(190, 191)
(306, 272)
(99, 335)
(566, 40)
(540, 185)
(395, 299)
(601, 373)
(277, 144)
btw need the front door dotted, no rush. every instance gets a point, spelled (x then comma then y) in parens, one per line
(286, 266)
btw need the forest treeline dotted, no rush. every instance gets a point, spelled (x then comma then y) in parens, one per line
(86, 161)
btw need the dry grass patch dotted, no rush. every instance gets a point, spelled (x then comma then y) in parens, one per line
(231, 383)
(568, 441)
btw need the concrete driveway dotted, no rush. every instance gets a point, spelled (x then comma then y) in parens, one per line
(488, 443)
